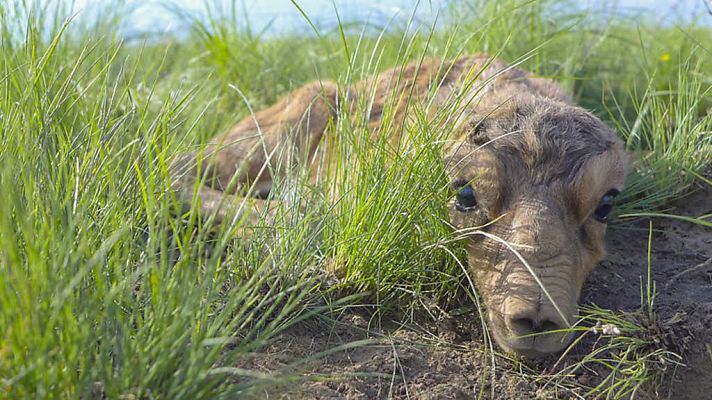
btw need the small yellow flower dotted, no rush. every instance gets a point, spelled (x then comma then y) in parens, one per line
(665, 57)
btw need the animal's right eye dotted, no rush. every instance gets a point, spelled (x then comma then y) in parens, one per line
(465, 199)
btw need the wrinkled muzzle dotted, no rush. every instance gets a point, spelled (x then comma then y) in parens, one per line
(533, 318)
(532, 283)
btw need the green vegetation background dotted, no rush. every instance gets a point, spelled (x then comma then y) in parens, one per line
(107, 287)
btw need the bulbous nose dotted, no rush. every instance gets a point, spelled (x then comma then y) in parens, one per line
(530, 323)
(533, 318)
(534, 332)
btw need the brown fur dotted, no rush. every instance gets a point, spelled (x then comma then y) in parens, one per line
(538, 165)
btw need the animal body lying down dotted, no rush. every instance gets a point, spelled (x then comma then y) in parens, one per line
(540, 172)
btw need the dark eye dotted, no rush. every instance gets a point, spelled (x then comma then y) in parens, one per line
(605, 206)
(465, 198)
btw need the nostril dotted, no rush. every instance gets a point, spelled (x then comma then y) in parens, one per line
(524, 326)
(528, 326)
(547, 326)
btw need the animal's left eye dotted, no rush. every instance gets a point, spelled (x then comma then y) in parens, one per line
(605, 206)
(465, 199)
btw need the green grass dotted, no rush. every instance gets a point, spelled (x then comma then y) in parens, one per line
(106, 288)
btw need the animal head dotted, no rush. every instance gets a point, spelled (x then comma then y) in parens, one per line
(537, 179)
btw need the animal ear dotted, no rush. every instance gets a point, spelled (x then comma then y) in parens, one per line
(476, 131)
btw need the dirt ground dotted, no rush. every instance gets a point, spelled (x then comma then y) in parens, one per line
(444, 360)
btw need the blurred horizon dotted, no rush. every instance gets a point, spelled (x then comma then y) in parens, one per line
(153, 17)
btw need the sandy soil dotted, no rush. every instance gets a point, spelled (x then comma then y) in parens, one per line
(444, 360)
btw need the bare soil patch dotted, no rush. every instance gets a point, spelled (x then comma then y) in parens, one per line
(444, 359)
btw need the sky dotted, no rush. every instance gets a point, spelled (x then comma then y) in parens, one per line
(282, 15)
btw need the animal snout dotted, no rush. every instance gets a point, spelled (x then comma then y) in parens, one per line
(532, 322)
(535, 328)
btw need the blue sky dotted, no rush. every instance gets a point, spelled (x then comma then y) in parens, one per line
(149, 16)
